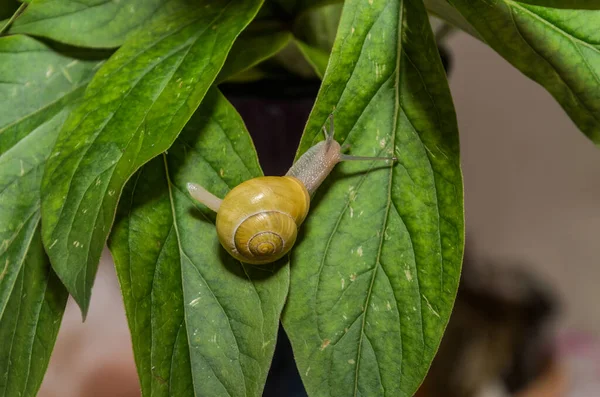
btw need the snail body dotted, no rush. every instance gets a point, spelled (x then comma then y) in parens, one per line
(258, 220)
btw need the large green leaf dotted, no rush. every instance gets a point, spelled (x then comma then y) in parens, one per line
(30, 323)
(202, 323)
(376, 270)
(38, 84)
(556, 47)
(133, 110)
(91, 23)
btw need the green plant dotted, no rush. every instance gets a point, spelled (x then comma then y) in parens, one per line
(108, 109)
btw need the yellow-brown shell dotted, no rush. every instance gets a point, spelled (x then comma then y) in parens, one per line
(258, 220)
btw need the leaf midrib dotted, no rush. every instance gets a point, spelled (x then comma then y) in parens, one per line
(552, 26)
(183, 253)
(389, 196)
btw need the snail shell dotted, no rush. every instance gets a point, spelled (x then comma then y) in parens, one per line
(258, 220)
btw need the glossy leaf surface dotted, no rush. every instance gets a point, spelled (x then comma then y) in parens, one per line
(90, 23)
(133, 110)
(38, 87)
(376, 270)
(202, 323)
(30, 323)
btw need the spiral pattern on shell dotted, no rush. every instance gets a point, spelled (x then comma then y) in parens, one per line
(258, 220)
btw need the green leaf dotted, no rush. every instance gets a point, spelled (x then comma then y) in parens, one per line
(9, 11)
(316, 57)
(133, 110)
(558, 48)
(145, 248)
(38, 85)
(318, 26)
(190, 304)
(443, 9)
(91, 23)
(30, 323)
(250, 49)
(293, 59)
(570, 4)
(376, 272)
(294, 7)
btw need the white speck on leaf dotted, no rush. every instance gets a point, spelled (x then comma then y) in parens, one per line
(359, 251)
(352, 30)
(382, 143)
(49, 71)
(343, 283)
(53, 244)
(353, 277)
(22, 169)
(307, 371)
(386, 235)
(388, 306)
(111, 192)
(4, 270)
(76, 243)
(222, 172)
(351, 362)
(351, 212)
(325, 343)
(66, 74)
(195, 302)
(408, 275)
(431, 309)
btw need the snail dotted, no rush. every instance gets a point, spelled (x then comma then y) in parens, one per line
(258, 220)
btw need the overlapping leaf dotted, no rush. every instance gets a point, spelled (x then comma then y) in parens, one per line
(38, 86)
(251, 48)
(91, 23)
(30, 323)
(214, 332)
(557, 47)
(132, 111)
(376, 270)
(316, 57)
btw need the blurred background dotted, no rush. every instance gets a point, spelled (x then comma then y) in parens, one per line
(526, 321)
